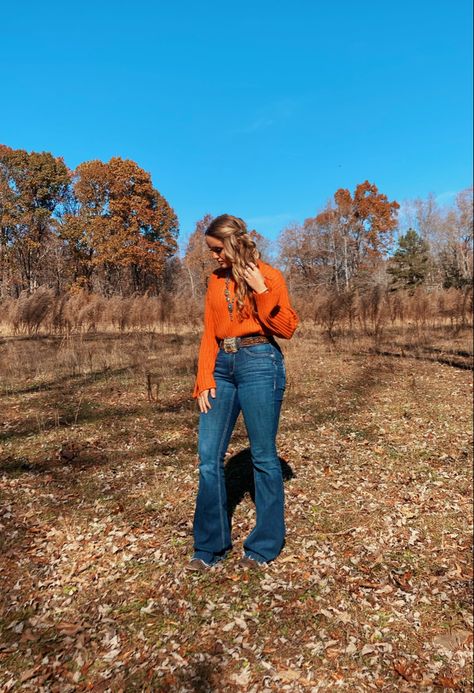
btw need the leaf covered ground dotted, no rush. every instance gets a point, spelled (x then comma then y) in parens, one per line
(98, 473)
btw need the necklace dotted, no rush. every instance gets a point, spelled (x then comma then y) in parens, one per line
(230, 302)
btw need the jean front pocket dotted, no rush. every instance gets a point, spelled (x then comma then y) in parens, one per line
(257, 351)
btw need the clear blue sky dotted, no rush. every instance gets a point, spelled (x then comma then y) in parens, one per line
(259, 108)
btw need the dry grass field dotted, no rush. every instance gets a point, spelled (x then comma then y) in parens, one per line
(98, 474)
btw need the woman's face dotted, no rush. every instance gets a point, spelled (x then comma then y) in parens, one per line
(216, 246)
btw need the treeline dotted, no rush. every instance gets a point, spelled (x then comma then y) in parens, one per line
(102, 227)
(103, 230)
(362, 241)
(350, 245)
(366, 260)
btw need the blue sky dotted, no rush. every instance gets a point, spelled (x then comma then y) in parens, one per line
(261, 109)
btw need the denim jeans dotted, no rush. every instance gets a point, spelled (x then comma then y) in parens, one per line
(251, 380)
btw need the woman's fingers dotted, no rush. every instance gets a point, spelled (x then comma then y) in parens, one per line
(207, 406)
(254, 278)
(203, 400)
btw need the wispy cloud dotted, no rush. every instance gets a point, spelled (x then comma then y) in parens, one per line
(269, 116)
(258, 124)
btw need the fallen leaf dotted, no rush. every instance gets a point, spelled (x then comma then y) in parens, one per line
(405, 670)
(367, 649)
(447, 681)
(453, 640)
(402, 581)
(69, 628)
(287, 675)
(29, 674)
(243, 678)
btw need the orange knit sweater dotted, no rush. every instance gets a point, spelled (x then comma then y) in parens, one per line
(275, 317)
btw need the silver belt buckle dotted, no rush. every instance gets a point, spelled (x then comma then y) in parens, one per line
(230, 345)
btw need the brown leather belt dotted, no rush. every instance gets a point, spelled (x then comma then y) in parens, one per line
(232, 344)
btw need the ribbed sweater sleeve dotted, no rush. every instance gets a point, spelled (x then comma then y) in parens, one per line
(274, 307)
(207, 351)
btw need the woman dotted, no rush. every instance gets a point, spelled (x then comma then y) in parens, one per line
(240, 368)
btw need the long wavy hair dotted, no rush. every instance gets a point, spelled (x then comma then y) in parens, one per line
(239, 250)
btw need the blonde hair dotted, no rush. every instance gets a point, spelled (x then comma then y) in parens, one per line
(239, 250)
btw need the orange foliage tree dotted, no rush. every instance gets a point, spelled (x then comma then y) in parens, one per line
(117, 223)
(344, 240)
(32, 188)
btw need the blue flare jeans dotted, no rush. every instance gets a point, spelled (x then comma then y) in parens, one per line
(251, 380)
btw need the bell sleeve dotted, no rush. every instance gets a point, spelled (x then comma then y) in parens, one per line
(274, 308)
(207, 351)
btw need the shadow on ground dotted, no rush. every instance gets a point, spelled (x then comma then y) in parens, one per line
(239, 479)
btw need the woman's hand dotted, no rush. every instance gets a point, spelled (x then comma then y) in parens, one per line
(254, 278)
(203, 399)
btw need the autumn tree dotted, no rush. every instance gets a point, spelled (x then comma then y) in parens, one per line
(342, 242)
(118, 227)
(449, 232)
(197, 262)
(7, 197)
(359, 227)
(455, 257)
(32, 188)
(306, 256)
(424, 216)
(264, 246)
(410, 263)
